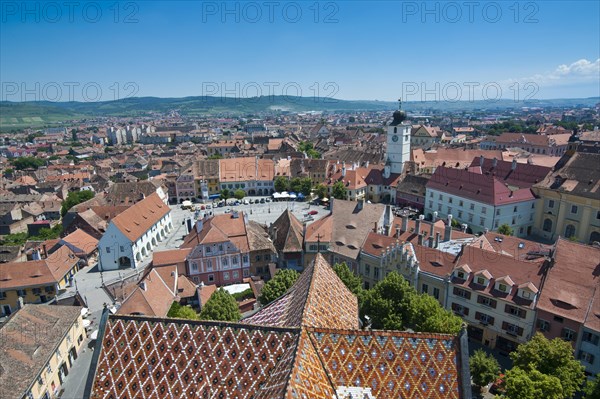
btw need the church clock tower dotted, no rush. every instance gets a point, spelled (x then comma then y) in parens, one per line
(398, 142)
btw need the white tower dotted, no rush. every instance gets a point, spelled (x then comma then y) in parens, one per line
(398, 141)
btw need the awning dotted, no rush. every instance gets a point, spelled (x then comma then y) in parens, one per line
(186, 203)
(94, 335)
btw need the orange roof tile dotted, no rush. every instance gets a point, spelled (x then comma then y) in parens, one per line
(139, 218)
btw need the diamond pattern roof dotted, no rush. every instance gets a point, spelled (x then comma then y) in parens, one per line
(320, 355)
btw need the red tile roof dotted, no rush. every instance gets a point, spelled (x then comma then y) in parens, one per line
(139, 218)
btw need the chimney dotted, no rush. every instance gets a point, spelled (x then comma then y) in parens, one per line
(430, 241)
(45, 251)
(189, 224)
(374, 227)
(464, 227)
(437, 239)
(404, 222)
(344, 170)
(274, 233)
(20, 303)
(199, 225)
(397, 231)
(360, 204)
(448, 229)
(367, 164)
(481, 161)
(420, 239)
(419, 221)
(514, 164)
(495, 162)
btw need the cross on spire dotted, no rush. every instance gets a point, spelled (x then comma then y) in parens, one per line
(400, 104)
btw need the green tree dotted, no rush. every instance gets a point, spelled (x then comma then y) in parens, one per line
(14, 239)
(239, 193)
(182, 312)
(321, 190)
(296, 184)
(521, 384)
(592, 388)
(338, 190)
(505, 229)
(484, 368)
(278, 285)
(49, 234)
(553, 358)
(394, 304)
(22, 163)
(221, 306)
(305, 186)
(350, 280)
(225, 193)
(281, 184)
(74, 198)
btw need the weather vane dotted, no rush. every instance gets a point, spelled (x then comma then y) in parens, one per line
(400, 104)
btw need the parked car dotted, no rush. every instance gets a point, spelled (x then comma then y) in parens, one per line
(268, 200)
(246, 202)
(313, 212)
(262, 201)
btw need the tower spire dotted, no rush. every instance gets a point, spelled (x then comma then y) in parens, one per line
(399, 104)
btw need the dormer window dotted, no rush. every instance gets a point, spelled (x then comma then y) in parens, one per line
(481, 281)
(461, 275)
(502, 287)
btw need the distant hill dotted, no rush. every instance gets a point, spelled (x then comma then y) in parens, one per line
(45, 113)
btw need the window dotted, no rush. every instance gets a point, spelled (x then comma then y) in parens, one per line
(460, 309)
(49, 288)
(547, 226)
(221, 247)
(543, 325)
(2, 295)
(483, 210)
(482, 221)
(211, 278)
(436, 293)
(515, 311)
(439, 207)
(21, 292)
(449, 210)
(559, 319)
(107, 250)
(122, 248)
(209, 266)
(460, 214)
(574, 209)
(450, 199)
(245, 258)
(497, 212)
(194, 267)
(461, 203)
(590, 337)
(569, 231)
(236, 274)
(440, 197)
(486, 301)
(425, 288)
(472, 207)
(234, 260)
(586, 357)
(461, 293)
(470, 218)
(224, 261)
(550, 203)
(512, 329)
(37, 291)
(312, 247)
(502, 287)
(568, 334)
(598, 215)
(257, 258)
(207, 250)
(496, 224)
(376, 273)
(367, 271)
(484, 318)
(460, 275)
(480, 280)
(226, 276)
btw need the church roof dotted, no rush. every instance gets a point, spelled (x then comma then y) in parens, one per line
(319, 354)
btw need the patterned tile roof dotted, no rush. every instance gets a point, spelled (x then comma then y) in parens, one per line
(309, 302)
(320, 355)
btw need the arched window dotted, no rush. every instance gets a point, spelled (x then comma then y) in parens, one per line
(395, 130)
(569, 231)
(594, 237)
(547, 225)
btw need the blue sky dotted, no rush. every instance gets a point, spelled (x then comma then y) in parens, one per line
(348, 49)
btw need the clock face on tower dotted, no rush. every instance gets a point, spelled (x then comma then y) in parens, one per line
(395, 138)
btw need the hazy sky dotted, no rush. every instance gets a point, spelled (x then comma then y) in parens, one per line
(345, 49)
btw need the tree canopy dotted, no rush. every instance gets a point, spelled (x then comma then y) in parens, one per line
(338, 190)
(221, 306)
(484, 368)
(506, 230)
(592, 388)
(393, 304)
(281, 184)
(74, 198)
(308, 148)
(278, 285)
(547, 366)
(182, 312)
(239, 193)
(321, 190)
(22, 163)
